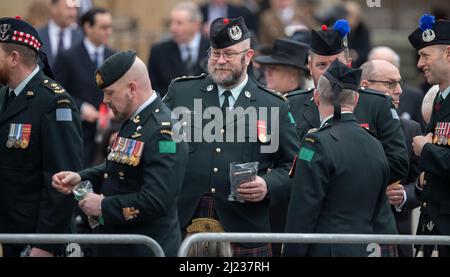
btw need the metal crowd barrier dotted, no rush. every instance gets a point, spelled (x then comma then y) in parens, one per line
(309, 238)
(82, 239)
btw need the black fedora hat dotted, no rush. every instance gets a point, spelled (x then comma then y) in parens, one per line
(287, 52)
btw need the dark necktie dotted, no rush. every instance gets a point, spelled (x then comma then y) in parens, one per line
(189, 61)
(226, 103)
(439, 101)
(95, 59)
(61, 42)
(9, 99)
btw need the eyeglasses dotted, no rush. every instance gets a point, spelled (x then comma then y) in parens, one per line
(390, 84)
(228, 56)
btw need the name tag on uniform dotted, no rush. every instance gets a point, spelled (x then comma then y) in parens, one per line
(64, 115)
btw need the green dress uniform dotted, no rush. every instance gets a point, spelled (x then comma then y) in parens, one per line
(208, 169)
(435, 158)
(40, 135)
(142, 177)
(337, 190)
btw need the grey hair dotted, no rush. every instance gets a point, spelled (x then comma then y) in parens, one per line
(193, 10)
(395, 57)
(326, 95)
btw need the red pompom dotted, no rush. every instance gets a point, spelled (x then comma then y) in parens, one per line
(226, 21)
(18, 17)
(324, 28)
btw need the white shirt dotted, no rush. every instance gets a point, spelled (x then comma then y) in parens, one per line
(53, 33)
(235, 92)
(194, 47)
(445, 93)
(146, 104)
(18, 90)
(330, 117)
(92, 49)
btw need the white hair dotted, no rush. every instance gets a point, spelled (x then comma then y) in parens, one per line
(385, 53)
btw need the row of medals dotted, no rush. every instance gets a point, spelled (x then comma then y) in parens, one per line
(18, 141)
(442, 134)
(119, 154)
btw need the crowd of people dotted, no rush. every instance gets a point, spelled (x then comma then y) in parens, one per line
(335, 141)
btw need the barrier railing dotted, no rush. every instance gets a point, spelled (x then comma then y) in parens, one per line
(309, 238)
(82, 239)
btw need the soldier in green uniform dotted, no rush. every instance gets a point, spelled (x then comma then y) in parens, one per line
(374, 111)
(331, 192)
(40, 134)
(432, 41)
(142, 177)
(204, 198)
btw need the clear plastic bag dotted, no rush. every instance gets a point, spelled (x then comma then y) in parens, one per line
(80, 191)
(241, 174)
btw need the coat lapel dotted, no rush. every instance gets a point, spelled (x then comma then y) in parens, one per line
(311, 114)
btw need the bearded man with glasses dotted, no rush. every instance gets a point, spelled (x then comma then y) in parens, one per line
(204, 204)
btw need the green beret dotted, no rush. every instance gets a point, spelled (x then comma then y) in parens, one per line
(114, 68)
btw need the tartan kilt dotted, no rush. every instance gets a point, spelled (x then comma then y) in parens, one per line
(205, 209)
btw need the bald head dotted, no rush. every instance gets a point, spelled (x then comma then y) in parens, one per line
(138, 74)
(386, 54)
(378, 70)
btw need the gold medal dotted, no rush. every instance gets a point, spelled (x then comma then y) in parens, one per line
(435, 139)
(24, 144)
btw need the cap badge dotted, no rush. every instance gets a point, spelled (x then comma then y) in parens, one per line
(235, 33)
(4, 32)
(428, 35)
(99, 79)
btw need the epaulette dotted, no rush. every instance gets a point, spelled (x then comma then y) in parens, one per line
(298, 92)
(373, 92)
(53, 86)
(186, 78)
(273, 92)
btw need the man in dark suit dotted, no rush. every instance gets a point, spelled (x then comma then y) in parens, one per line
(341, 172)
(40, 131)
(383, 76)
(222, 8)
(184, 54)
(75, 70)
(206, 189)
(432, 41)
(140, 186)
(59, 34)
(410, 106)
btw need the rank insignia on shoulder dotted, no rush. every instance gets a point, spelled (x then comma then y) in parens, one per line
(311, 140)
(130, 213)
(53, 86)
(165, 124)
(30, 93)
(166, 132)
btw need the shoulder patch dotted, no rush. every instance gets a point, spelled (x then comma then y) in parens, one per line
(53, 86)
(300, 92)
(186, 78)
(306, 154)
(275, 93)
(373, 92)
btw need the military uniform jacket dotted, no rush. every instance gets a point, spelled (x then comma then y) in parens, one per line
(339, 187)
(435, 161)
(141, 199)
(208, 170)
(47, 122)
(374, 112)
